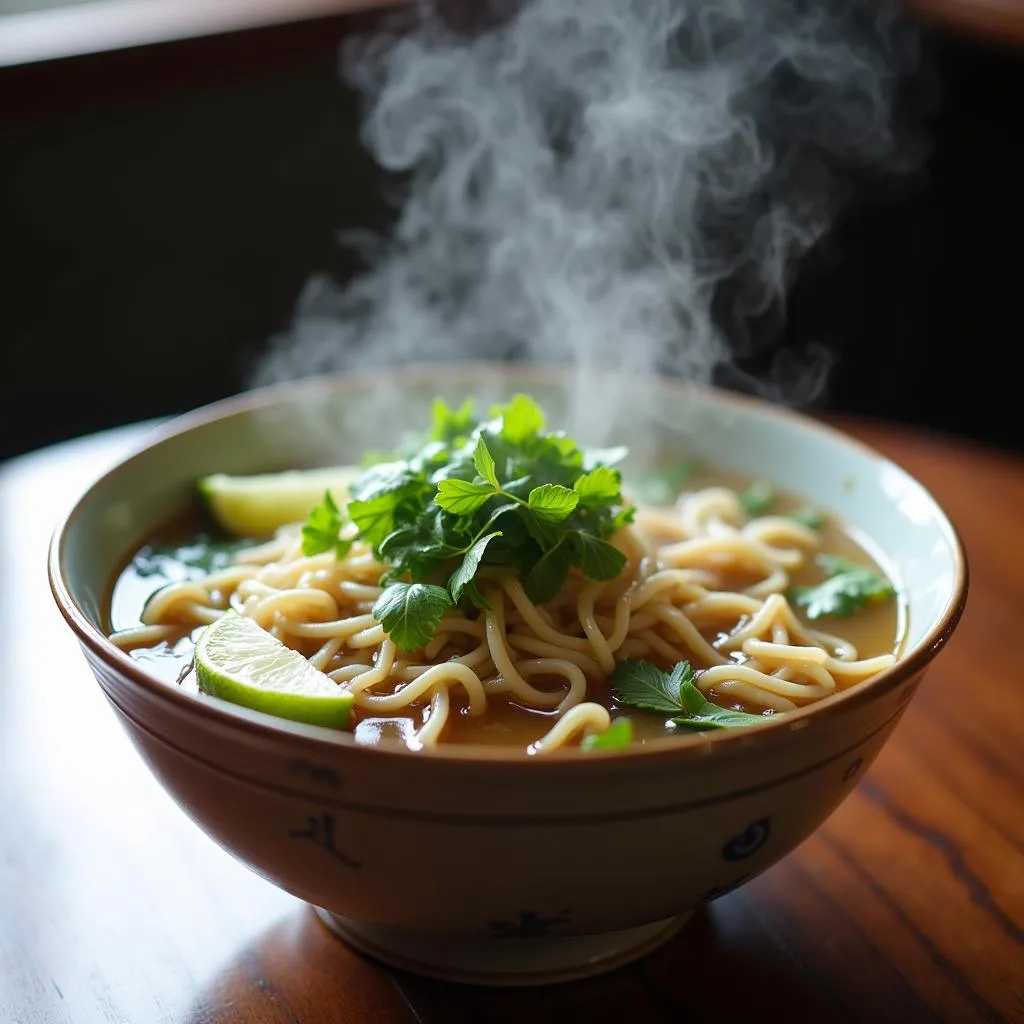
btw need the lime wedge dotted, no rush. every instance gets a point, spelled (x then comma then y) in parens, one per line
(255, 506)
(238, 661)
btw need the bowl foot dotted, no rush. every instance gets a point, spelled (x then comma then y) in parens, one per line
(501, 960)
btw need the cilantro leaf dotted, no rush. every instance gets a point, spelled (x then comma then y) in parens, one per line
(702, 713)
(410, 613)
(500, 492)
(597, 558)
(847, 588)
(553, 502)
(623, 517)
(546, 532)
(521, 419)
(757, 499)
(599, 486)
(558, 451)
(463, 576)
(375, 518)
(321, 529)
(462, 497)
(484, 462)
(548, 574)
(618, 735)
(383, 478)
(641, 684)
(451, 424)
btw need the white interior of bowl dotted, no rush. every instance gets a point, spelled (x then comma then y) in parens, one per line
(323, 422)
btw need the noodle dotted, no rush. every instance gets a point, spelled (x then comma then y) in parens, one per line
(702, 583)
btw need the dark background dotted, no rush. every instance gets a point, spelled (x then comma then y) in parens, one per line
(161, 208)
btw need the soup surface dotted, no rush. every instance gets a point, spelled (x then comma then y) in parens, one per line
(690, 528)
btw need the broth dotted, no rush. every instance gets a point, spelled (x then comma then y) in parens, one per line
(187, 547)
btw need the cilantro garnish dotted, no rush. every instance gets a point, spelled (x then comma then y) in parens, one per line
(452, 424)
(618, 735)
(500, 491)
(808, 516)
(847, 588)
(640, 684)
(410, 612)
(321, 529)
(757, 499)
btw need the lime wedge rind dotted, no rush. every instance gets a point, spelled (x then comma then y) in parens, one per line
(238, 661)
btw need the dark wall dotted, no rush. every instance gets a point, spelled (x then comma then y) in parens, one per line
(161, 209)
(928, 288)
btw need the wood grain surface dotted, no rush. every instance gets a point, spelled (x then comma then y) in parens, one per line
(906, 906)
(998, 20)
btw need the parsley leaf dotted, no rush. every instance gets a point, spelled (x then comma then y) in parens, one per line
(847, 588)
(461, 497)
(463, 576)
(701, 713)
(640, 684)
(598, 559)
(553, 502)
(383, 478)
(375, 518)
(496, 492)
(618, 735)
(548, 574)
(757, 499)
(598, 486)
(410, 613)
(484, 462)
(450, 424)
(321, 529)
(521, 419)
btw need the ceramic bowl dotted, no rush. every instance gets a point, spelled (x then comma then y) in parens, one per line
(481, 864)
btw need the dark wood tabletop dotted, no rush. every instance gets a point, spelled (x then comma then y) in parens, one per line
(906, 905)
(998, 20)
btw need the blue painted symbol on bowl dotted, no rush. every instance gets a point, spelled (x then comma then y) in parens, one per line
(749, 841)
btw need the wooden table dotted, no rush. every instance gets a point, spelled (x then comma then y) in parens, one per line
(907, 905)
(998, 20)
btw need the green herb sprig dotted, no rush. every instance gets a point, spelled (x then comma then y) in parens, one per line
(641, 684)
(321, 531)
(617, 736)
(846, 588)
(495, 492)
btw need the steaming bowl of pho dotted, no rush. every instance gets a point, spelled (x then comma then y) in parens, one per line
(502, 673)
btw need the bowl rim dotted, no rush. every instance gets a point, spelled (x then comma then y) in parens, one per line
(701, 744)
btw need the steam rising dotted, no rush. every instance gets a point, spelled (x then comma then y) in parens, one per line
(619, 185)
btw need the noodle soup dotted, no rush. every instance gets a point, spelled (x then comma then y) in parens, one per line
(713, 601)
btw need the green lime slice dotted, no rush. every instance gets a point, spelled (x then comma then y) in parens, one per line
(238, 661)
(255, 506)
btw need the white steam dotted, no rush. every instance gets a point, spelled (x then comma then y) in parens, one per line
(616, 185)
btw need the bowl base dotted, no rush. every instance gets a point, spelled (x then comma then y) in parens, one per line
(502, 960)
